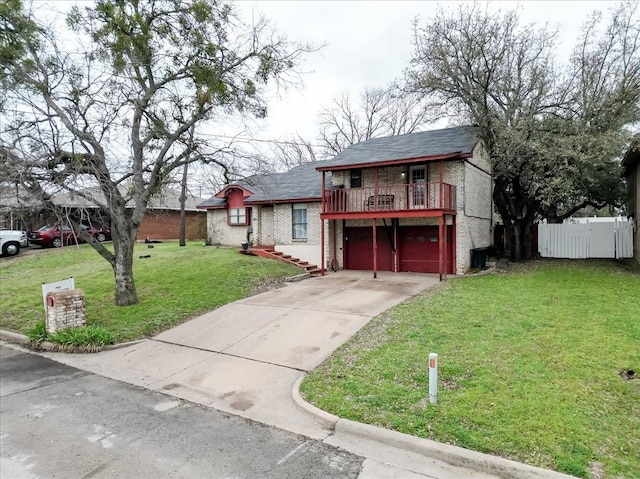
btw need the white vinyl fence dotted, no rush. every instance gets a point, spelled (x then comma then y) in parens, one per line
(611, 239)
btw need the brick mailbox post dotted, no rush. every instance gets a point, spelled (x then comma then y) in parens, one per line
(65, 309)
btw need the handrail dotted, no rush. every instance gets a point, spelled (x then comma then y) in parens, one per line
(412, 196)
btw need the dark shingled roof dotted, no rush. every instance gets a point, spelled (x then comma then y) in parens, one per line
(301, 182)
(460, 139)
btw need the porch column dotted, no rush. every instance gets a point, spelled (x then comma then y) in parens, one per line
(334, 261)
(322, 246)
(440, 245)
(454, 253)
(375, 251)
(445, 249)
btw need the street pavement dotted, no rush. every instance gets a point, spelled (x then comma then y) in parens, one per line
(61, 422)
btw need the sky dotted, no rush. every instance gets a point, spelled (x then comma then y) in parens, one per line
(368, 44)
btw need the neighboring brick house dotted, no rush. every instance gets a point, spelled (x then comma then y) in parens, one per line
(421, 201)
(161, 220)
(631, 171)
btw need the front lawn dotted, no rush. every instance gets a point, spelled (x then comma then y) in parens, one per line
(174, 284)
(533, 367)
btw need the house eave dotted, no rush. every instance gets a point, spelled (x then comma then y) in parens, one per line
(458, 155)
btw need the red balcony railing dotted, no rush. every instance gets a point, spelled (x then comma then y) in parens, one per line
(414, 196)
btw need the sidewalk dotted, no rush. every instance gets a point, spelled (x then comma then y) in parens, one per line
(248, 357)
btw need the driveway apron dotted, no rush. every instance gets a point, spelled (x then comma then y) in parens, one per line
(245, 357)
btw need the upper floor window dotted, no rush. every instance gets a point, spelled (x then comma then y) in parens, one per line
(239, 216)
(299, 218)
(356, 179)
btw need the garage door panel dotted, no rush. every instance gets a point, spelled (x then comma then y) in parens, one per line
(419, 249)
(359, 249)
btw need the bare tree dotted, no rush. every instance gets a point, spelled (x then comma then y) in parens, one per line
(115, 112)
(554, 135)
(377, 112)
(288, 154)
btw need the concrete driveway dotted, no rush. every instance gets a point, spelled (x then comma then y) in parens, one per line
(244, 358)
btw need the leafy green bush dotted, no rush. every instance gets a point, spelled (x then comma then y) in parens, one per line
(38, 333)
(82, 336)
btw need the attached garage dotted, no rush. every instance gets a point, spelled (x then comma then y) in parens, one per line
(419, 249)
(359, 248)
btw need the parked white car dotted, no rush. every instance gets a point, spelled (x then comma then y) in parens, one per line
(11, 241)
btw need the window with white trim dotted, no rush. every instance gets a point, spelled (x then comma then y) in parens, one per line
(299, 218)
(239, 216)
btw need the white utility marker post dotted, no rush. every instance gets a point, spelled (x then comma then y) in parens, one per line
(433, 378)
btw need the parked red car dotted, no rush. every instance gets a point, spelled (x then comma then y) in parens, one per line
(58, 235)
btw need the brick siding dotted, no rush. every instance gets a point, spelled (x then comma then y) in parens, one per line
(165, 225)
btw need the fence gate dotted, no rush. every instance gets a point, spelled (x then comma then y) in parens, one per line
(591, 239)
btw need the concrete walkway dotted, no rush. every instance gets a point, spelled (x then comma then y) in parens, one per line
(246, 358)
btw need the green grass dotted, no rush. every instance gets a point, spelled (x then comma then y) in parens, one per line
(174, 284)
(530, 367)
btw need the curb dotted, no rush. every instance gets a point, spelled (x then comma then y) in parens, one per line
(12, 337)
(454, 455)
(324, 418)
(23, 340)
(297, 277)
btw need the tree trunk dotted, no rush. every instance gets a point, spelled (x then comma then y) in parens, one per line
(183, 193)
(526, 240)
(183, 201)
(123, 244)
(516, 252)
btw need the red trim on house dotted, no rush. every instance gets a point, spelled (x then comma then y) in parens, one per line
(375, 249)
(387, 214)
(457, 155)
(224, 192)
(454, 235)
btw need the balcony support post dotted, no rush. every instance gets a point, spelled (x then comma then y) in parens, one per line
(454, 257)
(440, 245)
(375, 250)
(322, 241)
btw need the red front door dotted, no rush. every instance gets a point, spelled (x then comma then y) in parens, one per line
(419, 249)
(359, 248)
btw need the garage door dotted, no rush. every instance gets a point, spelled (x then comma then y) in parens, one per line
(419, 249)
(359, 248)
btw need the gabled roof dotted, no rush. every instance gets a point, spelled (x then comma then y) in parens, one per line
(456, 142)
(301, 183)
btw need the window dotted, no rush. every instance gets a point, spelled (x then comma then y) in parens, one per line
(238, 216)
(356, 178)
(299, 221)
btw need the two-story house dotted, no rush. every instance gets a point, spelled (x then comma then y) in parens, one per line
(417, 203)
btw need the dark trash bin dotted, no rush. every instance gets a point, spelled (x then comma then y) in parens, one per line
(245, 246)
(479, 258)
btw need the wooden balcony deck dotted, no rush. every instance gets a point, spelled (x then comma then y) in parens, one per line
(408, 199)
